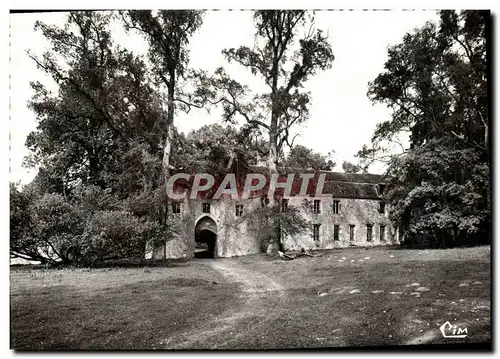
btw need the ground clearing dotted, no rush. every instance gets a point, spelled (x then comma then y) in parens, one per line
(391, 297)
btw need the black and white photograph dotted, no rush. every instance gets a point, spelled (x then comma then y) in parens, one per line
(250, 180)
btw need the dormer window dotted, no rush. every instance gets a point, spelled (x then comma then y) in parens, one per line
(381, 188)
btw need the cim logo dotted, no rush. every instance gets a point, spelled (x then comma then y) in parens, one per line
(453, 331)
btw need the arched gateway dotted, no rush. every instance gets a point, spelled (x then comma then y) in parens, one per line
(205, 237)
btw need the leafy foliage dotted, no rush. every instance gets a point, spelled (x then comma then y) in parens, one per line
(218, 149)
(435, 83)
(167, 33)
(113, 234)
(22, 245)
(305, 158)
(99, 145)
(273, 224)
(285, 61)
(104, 108)
(52, 229)
(348, 167)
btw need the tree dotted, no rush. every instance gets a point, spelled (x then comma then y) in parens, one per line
(43, 226)
(276, 32)
(435, 83)
(168, 33)
(217, 149)
(349, 167)
(284, 67)
(305, 158)
(98, 142)
(104, 111)
(21, 244)
(284, 60)
(49, 228)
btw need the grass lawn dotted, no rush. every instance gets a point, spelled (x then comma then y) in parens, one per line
(256, 302)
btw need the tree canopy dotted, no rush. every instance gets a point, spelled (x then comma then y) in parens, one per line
(287, 51)
(435, 83)
(305, 158)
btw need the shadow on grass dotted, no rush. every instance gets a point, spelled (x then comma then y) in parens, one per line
(118, 263)
(135, 316)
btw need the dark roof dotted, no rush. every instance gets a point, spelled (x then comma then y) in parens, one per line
(339, 185)
(355, 177)
(331, 176)
(351, 190)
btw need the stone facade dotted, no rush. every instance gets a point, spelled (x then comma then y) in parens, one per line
(354, 212)
(342, 219)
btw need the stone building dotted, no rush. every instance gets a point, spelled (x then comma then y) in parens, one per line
(351, 213)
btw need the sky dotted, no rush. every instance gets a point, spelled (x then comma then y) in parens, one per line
(341, 118)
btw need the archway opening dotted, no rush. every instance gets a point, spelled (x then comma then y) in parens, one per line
(205, 238)
(205, 244)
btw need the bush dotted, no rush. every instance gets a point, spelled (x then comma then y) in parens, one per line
(52, 229)
(56, 226)
(43, 228)
(112, 234)
(22, 245)
(118, 235)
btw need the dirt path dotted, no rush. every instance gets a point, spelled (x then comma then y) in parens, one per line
(256, 291)
(252, 282)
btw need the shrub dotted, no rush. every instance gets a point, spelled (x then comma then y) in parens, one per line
(119, 234)
(111, 234)
(50, 228)
(44, 227)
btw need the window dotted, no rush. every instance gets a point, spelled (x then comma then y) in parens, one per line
(206, 207)
(316, 234)
(176, 207)
(369, 228)
(264, 201)
(317, 206)
(239, 210)
(381, 208)
(284, 204)
(336, 207)
(336, 229)
(381, 188)
(382, 233)
(351, 232)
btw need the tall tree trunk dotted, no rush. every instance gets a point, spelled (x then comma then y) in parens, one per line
(169, 137)
(167, 150)
(272, 161)
(273, 153)
(274, 243)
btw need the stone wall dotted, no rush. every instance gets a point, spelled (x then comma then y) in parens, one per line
(240, 235)
(357, 212)
(234, 238)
